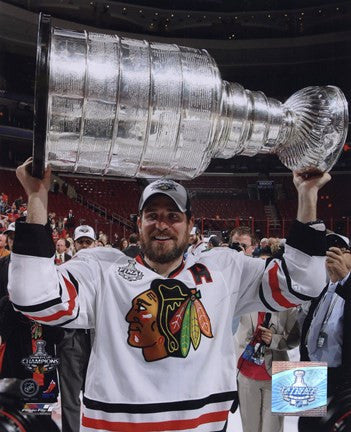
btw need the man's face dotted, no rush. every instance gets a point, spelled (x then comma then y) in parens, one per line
(61, 246)
(245, 242)
(193, 239)
(10, 239)
(2, 241)
(84, 243)
(164, 230)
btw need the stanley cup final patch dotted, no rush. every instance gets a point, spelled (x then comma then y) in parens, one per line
(299, 388)
(130, 272)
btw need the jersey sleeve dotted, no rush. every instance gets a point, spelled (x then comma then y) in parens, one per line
(277, 284)
(54, 295)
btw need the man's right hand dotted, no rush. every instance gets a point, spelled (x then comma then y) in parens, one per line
(37, 191)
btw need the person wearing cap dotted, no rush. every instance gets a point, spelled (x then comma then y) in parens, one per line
(74, 352)
(84, 237)
(163, 357)
(325, 330)
(197, 245)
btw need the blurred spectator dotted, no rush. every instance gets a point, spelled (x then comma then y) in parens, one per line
(274, 244)
(3, 242)
(102, 237)
(265, 252)
(64, 188)
(5, 198)
(71, 249)
(213, 242)
(133, 249)
(262, 245)
(55, 187)
(115, 241)
(124, 244)
(18, 202)
(55, 235)
(325, 330)
(70, 220)
(61, 255)
(2, 204)
(84, 237)
(241, 237)
(74, 351)
(260, 339)
(197, 245)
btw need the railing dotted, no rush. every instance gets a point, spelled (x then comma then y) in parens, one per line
(264, 228)
(103, 211)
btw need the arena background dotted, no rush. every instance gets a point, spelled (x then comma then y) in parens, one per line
(276, 46)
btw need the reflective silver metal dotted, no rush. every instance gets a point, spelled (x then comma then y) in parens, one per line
(124, 107)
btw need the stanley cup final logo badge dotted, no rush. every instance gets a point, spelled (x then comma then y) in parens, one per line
(40, 361)
(299, 393)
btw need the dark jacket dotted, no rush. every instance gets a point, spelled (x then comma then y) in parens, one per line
(16, 332)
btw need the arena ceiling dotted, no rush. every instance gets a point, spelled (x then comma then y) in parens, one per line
(276, 46)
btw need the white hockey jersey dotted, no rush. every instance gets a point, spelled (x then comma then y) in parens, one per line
(163, 357)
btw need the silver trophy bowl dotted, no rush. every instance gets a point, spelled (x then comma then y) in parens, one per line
(106, 105)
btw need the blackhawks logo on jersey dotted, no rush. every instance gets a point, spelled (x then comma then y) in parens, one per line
(167, 319)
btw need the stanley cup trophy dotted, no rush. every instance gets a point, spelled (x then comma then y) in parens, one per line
(106, 105)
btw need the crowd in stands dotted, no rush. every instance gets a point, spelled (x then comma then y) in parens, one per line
(282, 333)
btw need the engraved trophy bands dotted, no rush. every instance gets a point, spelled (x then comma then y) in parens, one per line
(108, 105)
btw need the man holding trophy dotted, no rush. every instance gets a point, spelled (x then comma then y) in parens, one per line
(163, 357)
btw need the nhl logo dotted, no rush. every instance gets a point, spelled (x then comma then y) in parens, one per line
(130, 272)
(165, 185)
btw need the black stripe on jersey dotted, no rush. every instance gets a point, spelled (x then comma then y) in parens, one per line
(307, 239)
(33, 240)
(40, 306)
(74, 281)
(288, 281)
(158, 407)
(70, 320)
(264, 301)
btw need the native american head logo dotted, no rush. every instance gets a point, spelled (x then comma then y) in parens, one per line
(167, 319)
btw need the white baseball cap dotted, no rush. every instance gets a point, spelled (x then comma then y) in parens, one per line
(167, 187)
(10, 228)
(194, 230)
(84, 231)
(337, 240)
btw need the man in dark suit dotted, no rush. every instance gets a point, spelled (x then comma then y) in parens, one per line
(61, 255)
(325, 330)
(133, 249)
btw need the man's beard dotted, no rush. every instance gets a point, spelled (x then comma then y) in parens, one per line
(158, 255)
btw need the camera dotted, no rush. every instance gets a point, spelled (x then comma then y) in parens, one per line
(11, 417)
(236, 246)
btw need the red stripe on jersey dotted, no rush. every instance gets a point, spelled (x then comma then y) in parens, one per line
(171, 425)
(72, 293)
(276, 291)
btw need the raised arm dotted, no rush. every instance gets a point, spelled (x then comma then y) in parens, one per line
(307, 190)
(37, 191)
(40, 290)
(300, 274)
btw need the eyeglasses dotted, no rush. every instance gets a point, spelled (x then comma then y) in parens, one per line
(81, 241)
